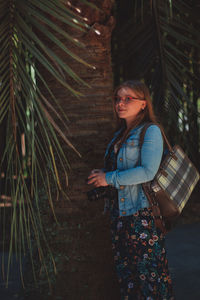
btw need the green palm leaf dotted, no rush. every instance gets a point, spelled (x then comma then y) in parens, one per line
(158, 41)
(31, 149)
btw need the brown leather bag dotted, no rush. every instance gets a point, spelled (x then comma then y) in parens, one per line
(163, 225)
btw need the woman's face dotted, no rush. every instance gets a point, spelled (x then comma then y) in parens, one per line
(128, 105)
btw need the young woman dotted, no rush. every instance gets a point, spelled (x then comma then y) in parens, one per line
(138, 246)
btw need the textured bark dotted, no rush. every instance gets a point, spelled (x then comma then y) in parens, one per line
(90, 117)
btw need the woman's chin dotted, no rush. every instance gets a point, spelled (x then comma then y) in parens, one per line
(121, 115)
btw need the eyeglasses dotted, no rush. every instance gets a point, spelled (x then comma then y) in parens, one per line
(126, 99)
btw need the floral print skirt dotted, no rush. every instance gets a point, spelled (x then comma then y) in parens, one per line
(140, 257)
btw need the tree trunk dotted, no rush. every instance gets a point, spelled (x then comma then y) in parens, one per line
(90, 117)
(90, 128)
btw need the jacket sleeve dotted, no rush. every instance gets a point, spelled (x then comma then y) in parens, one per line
(151, 154)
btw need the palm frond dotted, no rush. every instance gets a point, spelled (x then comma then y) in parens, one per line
(158, 41)
(32, 153)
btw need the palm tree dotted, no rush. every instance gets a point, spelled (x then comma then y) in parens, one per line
(42, 43)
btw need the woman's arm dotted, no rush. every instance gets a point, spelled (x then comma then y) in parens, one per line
(151, 154)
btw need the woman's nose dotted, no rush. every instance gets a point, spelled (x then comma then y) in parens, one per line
(121, 102)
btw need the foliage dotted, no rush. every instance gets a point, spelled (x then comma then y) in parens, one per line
(158, 41)
(30, 149)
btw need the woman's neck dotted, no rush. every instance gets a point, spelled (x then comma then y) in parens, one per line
(132, 124)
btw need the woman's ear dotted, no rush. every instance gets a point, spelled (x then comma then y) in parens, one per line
(144, 103)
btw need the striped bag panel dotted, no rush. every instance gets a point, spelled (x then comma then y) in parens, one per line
(179, 178)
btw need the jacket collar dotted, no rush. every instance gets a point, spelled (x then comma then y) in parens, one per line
(140, 126)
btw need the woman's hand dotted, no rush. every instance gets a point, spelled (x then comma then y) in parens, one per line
(97, 177)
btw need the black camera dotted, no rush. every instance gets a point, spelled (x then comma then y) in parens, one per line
(97, 193)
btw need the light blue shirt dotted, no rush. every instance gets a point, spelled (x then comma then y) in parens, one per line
(129, 175)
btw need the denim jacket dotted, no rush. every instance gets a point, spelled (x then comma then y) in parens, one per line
(132, 170)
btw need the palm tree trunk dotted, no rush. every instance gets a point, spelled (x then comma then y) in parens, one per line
(90, 116)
